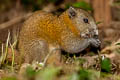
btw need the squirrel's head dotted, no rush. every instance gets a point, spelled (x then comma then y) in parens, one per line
(82, 24)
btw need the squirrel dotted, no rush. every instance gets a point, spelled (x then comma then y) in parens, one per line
(43, 33)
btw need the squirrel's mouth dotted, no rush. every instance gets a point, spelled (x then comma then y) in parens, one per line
(92, 33)
(86, 35)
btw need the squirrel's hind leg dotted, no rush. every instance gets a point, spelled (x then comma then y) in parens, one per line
(37, 52)
(41, 51)
(54, 57)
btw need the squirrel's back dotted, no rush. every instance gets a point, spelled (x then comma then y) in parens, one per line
(43, 24)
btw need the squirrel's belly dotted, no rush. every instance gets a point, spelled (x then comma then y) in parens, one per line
(76, 46)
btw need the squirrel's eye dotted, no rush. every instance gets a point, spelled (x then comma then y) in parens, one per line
(85, 20)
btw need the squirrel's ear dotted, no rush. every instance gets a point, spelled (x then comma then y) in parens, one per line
(71, 12)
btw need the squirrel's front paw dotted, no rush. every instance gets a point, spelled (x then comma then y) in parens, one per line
(95, 42)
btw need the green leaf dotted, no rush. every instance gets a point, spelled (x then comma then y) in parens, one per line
(74, 77)
(98, 22)
(106, 65)
(83, 75)
(82, 4)
(30, 72)
(118, 44)
(48, 73)
(67, 6)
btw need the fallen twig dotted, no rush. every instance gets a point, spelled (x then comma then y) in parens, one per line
(14, 21)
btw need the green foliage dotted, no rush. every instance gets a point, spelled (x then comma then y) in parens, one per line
(67, 5)
(39, 2)
(85, 75)
(53, 1)
(74, 77)
(98, 22)
(48, 73)
(4, 53)
(30, 72)
(106, 65)
(118, 44)
(82, 4)
(80, 61)
(116, 3)
(3, 58)
(35, 5)
(8, 78)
